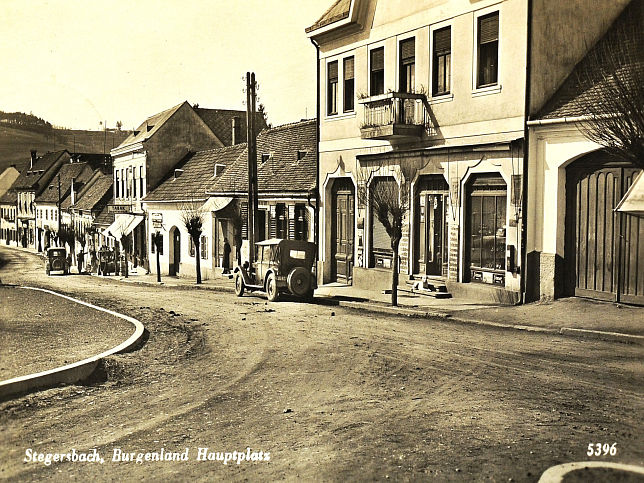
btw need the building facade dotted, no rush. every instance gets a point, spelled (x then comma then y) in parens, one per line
(436, 96)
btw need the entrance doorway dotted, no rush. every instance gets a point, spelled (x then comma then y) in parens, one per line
(175, 251)
(604, 250)
(342, 222)
(430, 225)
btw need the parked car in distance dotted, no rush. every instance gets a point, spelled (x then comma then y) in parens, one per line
(57, 261)
(282, 266)
(106, 262)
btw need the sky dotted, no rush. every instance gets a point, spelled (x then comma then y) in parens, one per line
(77, 64)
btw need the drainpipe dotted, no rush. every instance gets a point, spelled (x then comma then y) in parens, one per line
(317, 154)
(526, 151)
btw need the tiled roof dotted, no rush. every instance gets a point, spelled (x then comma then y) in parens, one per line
(220, 123)
(95, 192)
(81, 172)
(198, 174)
(575, 92)
(105, 218)
(150, 126)
(9, 198)
(338, 11)
(31, 176)
(283, 171)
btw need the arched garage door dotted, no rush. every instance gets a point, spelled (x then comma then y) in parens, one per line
(604, 250)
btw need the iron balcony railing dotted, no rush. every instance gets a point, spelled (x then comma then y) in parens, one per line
(396, 108)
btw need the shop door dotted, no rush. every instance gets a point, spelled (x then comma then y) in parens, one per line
(176, 237)
(342, 232)
(604, 249)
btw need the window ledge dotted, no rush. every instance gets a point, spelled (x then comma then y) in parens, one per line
(337, 117)
(486, 91)
(441, 98)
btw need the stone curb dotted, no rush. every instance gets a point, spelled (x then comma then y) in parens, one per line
(556, 474)
(70, 373)
(596, 334)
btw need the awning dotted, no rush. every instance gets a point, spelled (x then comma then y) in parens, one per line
(123, 225)
(633, 200)
(216, 203)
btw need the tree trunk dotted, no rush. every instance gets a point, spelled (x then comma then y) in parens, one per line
(394, 273)
(197, 259)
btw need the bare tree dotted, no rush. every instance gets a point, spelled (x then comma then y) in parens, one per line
(385, 191)
(192, 216)
(612, 84)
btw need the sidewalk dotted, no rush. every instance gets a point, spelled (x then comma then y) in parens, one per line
(574, 316)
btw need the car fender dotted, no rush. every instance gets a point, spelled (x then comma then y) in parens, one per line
(244, 273)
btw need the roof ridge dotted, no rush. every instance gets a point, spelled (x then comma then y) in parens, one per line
(290, 124)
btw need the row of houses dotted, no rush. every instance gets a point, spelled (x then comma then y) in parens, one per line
(474, 104)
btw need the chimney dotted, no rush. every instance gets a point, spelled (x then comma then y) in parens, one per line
(235, 131)
(33, 158)
(73, 193)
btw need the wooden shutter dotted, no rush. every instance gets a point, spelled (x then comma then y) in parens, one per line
(333, 71)
(272, 223)
(244, 215)
(348, 68)
(407, 51)
(442, 41)
(378, 59)
(489, 28)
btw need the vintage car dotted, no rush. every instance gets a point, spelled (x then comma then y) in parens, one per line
(282, 266)
(57, 261)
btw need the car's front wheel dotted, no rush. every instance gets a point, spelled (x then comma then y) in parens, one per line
(271, 288)
(239, 284)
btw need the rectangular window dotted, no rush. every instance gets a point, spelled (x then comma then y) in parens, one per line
(203, 248)
(122, 184)
(281, 221)
(141, 188)
(301, 225)
(134, 183)
(349, 84)
(488, 50)
(192, 247)
(332, 88)
(407, 66)
(442, 61)
(377, 72)
(117, 184)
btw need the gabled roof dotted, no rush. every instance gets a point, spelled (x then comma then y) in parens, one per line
(93, 193)
(105, 217)
(220, 122)
(30, 177)
(197, 175)
(291, 165)
(150, 126)
(336, 12)
(8, 178)
(9, 198)
(80, 172)
(575, 91)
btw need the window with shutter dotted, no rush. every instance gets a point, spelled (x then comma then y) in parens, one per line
(407, 66)
(332, 88)
(244, 216)
(377, 74)
(349, 84)
(442, 53)
(488, 50)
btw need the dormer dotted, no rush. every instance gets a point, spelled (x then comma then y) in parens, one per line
(177, 173)
(219, 168)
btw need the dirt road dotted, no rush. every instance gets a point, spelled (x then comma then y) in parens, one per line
(330, 393)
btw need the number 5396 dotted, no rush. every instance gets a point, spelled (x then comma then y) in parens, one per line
(598, 449)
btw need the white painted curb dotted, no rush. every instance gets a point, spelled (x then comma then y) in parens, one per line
(555, 474)
(70, 373)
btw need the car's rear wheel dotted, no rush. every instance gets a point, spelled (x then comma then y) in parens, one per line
(239, 284)
(271, 288)
(299, 281)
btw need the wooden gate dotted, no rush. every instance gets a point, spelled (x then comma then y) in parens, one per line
(604, 249)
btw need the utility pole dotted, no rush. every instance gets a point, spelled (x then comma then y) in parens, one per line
(251, 141)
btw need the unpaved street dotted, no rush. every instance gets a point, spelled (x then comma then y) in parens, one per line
(330, 393)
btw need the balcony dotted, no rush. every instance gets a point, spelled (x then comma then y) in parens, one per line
(396, 117)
